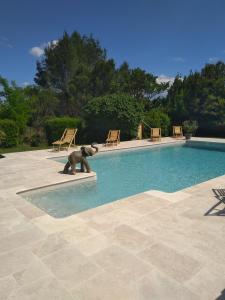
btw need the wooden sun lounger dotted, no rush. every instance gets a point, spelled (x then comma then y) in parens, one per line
(67, 140)
(155, 134)
(177, 131)
(113, 138)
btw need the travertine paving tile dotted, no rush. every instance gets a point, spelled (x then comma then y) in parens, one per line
(145, 204)
(47, 288)
(152, 245)
(20, 239)
(91, 214)
(30, 211)
(49, 245)
(176, 265)
(10, 216)
(129, 238)
(50, 225)
(4, 204)
(12, 221)
(7, 285)
(111, 220)
(70, 266)
(34, 271)
(91, 245)
(105, 286)
(157, 286)
(77, 233)
(208, 281)
(121, 263)
(15, 261)
(173, 197)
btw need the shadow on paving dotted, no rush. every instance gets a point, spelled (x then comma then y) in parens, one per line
(214, 211)
(222, 296)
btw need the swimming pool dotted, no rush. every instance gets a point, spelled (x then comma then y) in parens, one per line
(124, 173)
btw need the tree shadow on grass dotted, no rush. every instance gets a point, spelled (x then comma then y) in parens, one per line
(214, 210)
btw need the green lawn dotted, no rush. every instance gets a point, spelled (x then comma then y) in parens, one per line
(21, 148)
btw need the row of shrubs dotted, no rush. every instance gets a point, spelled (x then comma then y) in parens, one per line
(53, 128)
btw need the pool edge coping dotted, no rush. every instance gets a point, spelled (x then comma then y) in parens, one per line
(164, 195)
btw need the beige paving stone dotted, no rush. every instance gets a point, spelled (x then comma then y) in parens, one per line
(173, 197)
(121, 263)
(47, 288)
(11, 221)
(50, 225)
(20, 239)
(91, 245)
(110, 220)
(17, 201)
(5, 204)
(34, 271)
(157, 286)
(15, 261)
(91, 214)
(104, 286)
(71, 267)
(30, 211)
(129, 238)
(208, 281)
(177, 222)
(79, 232)
(7, 285)
(176, 265)
(10, 215)
(145, 204)
(49, 245)
(160, 223)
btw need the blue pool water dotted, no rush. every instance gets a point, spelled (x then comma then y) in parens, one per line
(121, 174)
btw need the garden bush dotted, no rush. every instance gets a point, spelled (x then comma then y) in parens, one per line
(156, 118)
(55, 127)
(115, 111)
(9, 127)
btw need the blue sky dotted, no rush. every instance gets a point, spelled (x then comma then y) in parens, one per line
(161, 36)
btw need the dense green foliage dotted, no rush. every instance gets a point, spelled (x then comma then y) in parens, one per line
(11, 133)
(200, 96)
(78, 69)
(15, 104)
(2, 136)
(77, 85)
(115, 111)
(190, 126)
(55, 127)
(156, 118)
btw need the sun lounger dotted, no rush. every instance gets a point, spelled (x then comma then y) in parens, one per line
(113, 138)
(155, 134)
(67, 140)
(177, 132)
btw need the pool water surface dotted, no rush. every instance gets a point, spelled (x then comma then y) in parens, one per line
(124, 173)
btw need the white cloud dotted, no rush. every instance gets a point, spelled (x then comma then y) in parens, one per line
(4, 42)
(178, 59)
(36, 51)
(39, 50)
(25, 83)
(213, 59)
(54, 42)
(164, 79)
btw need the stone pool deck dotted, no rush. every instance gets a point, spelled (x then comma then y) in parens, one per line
(152, 245)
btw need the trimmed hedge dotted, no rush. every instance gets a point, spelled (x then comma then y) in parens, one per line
(54, 127)
(11, 131)
(209, 130)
